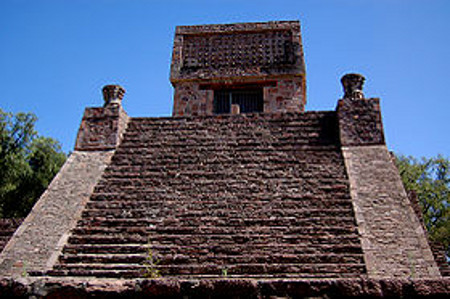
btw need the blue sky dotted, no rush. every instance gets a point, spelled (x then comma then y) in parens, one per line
(55, 56)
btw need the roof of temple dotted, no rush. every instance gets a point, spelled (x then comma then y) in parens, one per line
(237, 51)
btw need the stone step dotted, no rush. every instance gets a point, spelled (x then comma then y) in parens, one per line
(318, 222)
(104, 221)
(228, 213)
(241, 146)
(268, 239)
(180, 259)
(267, 133)
(108, 239)
(163, 191)
(199, 204)
(215, 240)
(178, 128)
(137, 248)
(206, 249)
(108, 273)
(237, 249)
(256, 268)
(151, 195)
(206, 134)
(175, 125)
(124, 274)
(105, 270)
(207, 230)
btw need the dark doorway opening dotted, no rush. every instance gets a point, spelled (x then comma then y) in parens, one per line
(249, 100)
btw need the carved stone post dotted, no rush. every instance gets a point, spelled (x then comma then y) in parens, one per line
(359, 118)
(353, 86)
(113, 95)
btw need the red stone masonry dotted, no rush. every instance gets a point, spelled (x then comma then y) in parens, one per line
(211, 57)
(256, 195)
(360, 122)
(101, 128)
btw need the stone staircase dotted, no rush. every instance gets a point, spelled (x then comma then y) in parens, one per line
(263, 195)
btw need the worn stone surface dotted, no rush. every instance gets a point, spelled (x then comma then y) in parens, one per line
(101, 128)
(393, 240)
(225, 288)
(360, 122)
(283, 95)
(189, 99)
(42, 234)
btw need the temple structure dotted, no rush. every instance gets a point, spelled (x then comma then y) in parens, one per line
(241, 193)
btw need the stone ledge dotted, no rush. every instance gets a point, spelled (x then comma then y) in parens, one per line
(238, 27)
(226, 288)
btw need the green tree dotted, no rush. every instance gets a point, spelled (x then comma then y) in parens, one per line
(430, 179)
(28, 162)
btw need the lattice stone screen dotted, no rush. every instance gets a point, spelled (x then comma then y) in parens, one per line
(263, 49)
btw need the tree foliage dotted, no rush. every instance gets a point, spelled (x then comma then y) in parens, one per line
(430, 179)
(28, 162)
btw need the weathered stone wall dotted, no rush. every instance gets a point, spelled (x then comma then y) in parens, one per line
(190, 100)
(360, 122)
(284, 95)
(393, 239)
(37, 242)
(238, 54)
(101, 128)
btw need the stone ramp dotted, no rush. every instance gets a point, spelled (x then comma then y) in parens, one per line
(248, 195)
